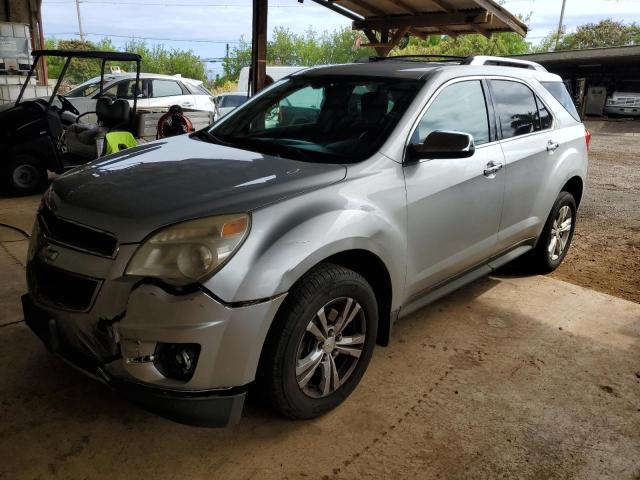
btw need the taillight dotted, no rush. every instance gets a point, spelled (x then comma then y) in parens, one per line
(587, 137)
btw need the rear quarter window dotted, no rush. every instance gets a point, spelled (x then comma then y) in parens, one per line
(560, 93)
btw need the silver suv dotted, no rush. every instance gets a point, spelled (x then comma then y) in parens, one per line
(275, 248)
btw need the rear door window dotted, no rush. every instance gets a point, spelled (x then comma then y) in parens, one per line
(166, 88)
(460, 107)
(560, 93)
(516, 108)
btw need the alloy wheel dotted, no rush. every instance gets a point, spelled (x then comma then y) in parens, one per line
(560, 232)
(330, 347)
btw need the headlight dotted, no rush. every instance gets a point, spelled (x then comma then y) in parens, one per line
(189, 251)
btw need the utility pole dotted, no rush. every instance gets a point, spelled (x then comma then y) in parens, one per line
(79, 21)
(564, 3)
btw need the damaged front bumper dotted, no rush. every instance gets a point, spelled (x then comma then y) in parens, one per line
(214, 408)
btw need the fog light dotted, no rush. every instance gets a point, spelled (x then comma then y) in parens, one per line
(177, 360)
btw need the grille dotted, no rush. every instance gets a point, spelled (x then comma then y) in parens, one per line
(73, 235)
(61, 288)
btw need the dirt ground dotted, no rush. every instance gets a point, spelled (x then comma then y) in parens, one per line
(510, 377)
(605, 253)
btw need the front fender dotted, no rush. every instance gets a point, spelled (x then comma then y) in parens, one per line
(288, 239)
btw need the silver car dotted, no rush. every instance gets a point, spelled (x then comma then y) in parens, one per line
(277, 247)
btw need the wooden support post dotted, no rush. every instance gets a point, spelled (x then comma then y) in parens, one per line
(259, 46)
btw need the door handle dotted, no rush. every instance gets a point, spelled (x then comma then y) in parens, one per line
(187, 104)
(552, 146)
(491, 169)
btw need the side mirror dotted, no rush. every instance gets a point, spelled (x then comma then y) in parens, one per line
(443, 144)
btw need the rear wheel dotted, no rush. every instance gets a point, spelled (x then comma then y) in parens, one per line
(321, 343)
(24, 175)
(554, 242)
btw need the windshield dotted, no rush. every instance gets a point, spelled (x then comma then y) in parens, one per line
(321, 119)
(231, 100)
(84, 90)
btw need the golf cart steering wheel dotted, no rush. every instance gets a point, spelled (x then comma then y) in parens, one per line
(67, 106)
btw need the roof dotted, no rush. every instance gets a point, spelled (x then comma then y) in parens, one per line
(605, 55)
(108, 77)
(390, 68)
(387, 68)
(426, 17)
(120, 56)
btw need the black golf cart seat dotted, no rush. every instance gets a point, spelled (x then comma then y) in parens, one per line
(112, 114)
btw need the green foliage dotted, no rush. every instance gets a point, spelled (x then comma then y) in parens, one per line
(606, 33)
(155, 59)
(159, 59)
(80, 69)
(308, 49)
(465, 45)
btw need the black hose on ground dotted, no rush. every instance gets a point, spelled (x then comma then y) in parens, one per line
(17, 229)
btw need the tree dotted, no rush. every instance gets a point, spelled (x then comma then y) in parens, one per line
(159, 59)
(465, 45)
(606, 33)
(155, 59)
(80, 69)
(308, 49)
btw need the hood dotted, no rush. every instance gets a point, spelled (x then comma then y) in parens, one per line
(147, 187)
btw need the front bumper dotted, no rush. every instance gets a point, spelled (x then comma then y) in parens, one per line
(616, 110)
(213, 408)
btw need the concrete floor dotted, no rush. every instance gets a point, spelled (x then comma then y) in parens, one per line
(510, 377)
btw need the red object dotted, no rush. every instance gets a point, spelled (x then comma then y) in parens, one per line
(587, 137)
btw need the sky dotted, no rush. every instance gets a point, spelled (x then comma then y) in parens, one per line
(206, 26)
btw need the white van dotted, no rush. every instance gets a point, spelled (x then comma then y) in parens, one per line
(275, 72)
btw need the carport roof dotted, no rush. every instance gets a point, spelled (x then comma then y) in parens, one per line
(428, 17)
(602, 56)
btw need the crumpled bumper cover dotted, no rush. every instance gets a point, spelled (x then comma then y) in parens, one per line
(212, 408)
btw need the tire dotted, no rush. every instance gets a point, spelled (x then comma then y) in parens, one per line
(542, 259)
(300, 389)
(24, 174)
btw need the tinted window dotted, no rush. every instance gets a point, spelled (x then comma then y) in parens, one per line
(124, 89)
(516, 108)
(231, 100)
(546, 120)
(459, 107)
(559, 92)
(166, 88)
(84, 91)
(336, 119)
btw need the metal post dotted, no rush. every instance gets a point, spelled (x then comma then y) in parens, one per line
(79, 21)
(564, 3)
(259, 46)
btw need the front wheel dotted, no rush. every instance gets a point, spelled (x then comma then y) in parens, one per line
(24, 175)
(555, 240)
(321, 342)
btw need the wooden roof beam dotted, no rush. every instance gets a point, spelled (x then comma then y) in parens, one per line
(434, 20)
(481, 30)
(504, 16)
(367, 5)
(405, 6)
(444, 5)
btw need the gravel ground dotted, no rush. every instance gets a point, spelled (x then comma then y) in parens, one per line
(605, 253)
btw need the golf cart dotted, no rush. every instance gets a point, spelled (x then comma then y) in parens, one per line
(40, 135)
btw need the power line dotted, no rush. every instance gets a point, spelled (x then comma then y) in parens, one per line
(134, 37)
(160, 4)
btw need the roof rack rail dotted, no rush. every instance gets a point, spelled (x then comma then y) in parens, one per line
(502, 62)
(444, 58)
